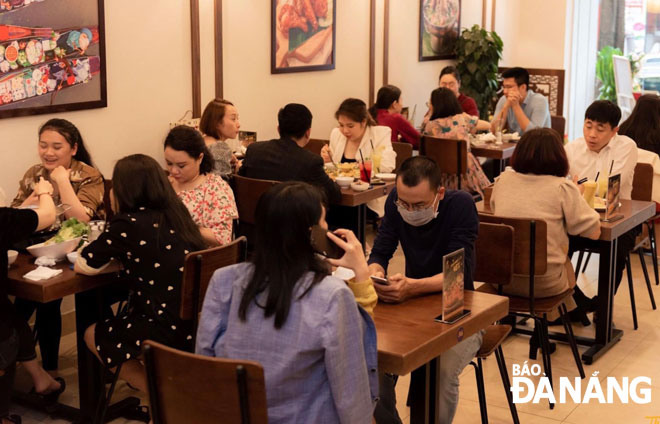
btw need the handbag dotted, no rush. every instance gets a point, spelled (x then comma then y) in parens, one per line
(187, 121)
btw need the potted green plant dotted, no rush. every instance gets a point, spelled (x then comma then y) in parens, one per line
(605, 73)
(479, 52)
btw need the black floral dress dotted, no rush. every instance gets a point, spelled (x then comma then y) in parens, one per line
(152, 256)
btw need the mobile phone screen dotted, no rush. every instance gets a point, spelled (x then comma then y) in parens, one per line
(379, 280)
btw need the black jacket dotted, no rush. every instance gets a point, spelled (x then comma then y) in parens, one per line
(283, 160)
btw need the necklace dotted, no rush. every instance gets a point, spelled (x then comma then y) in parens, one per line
(191, 184)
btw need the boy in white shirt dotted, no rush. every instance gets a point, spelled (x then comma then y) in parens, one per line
(600, 150)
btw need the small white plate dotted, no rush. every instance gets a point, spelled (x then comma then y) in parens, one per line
(343, 273)
(386, 176)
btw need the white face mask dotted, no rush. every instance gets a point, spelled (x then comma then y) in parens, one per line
(420, 217)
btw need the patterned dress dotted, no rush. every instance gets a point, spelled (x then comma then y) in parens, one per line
(152, 256)
(458, 127)
(87, 183)
(212, 205)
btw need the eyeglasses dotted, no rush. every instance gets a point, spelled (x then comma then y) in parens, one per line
(413, 208)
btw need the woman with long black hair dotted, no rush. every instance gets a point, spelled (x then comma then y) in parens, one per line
(150, 235)
(284, 310)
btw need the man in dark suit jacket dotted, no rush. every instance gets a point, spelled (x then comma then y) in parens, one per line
(285, 159)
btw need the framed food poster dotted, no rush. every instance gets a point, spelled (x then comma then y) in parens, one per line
(52, 56)
(439, 26)
(302, 35)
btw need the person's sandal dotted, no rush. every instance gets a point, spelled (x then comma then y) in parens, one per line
(138, 413)
(16, 419)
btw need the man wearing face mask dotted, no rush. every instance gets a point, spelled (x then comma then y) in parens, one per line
(429, 222)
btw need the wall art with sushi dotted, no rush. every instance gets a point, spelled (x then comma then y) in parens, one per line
(302, 35)
(52, 56)
(439, 28)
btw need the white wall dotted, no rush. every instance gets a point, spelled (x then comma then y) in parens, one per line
(417, 79)
(149, 80)
(533, 32)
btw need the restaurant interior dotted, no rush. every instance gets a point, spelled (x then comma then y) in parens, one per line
(164, 61)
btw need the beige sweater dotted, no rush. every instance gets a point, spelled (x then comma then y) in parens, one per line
(558, 202)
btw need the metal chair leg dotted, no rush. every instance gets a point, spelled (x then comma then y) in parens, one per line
(631, 289)
(542, 332)
(586, 262)
(654, 249)
(579, 264)
(642, 261)
(501, 364)
(104, 402)
(571, 339)
(481, 391)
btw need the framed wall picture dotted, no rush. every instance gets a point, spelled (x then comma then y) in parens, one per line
(52, 56)
(439, 28)
(302, 35)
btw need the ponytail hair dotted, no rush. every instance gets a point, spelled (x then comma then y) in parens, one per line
(387, 95)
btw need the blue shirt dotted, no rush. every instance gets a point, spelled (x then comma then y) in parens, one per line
(320, 366)
(535, 106)
(455, 227)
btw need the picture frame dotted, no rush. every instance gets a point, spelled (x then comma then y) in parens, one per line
(439, 29)
(303, 40)
(52, 56)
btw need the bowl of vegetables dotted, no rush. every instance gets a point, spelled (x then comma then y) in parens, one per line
(66, 240)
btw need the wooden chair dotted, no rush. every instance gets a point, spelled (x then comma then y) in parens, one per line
(189, 388)
(197, 271)
(450, 154)
(530, 259)
(558, 123)
(642, 190)
(198, 268)
(247, 192)
(494, 255)
(315, 145)
(403, 151)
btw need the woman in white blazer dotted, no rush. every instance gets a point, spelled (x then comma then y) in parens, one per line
(356, 137)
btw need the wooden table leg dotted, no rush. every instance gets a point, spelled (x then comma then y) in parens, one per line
(423, 393)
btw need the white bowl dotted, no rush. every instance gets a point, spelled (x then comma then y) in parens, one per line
(11, 256)
(359, 186)
(386, 176)
(72, 256)
(344, 182)
(55, 250)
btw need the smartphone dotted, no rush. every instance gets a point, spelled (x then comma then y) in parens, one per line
(323, 245)
(380, 280)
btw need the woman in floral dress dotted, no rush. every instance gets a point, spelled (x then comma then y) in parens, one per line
(207, 196)
(449, 121)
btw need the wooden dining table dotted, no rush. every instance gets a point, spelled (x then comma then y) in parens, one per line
(410, 339)
(498, 152)
(88, 307)
(359, 200)
(633, 213)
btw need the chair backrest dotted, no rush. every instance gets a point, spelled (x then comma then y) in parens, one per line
(449, 153)
(315, 145)
(558, 123)
(247, 192)
(522, 230)
(494, 254)
(197, 271)
(642, 182)
(189, 388)
(403, 151)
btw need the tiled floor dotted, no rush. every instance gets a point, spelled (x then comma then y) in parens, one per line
(635, 355)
